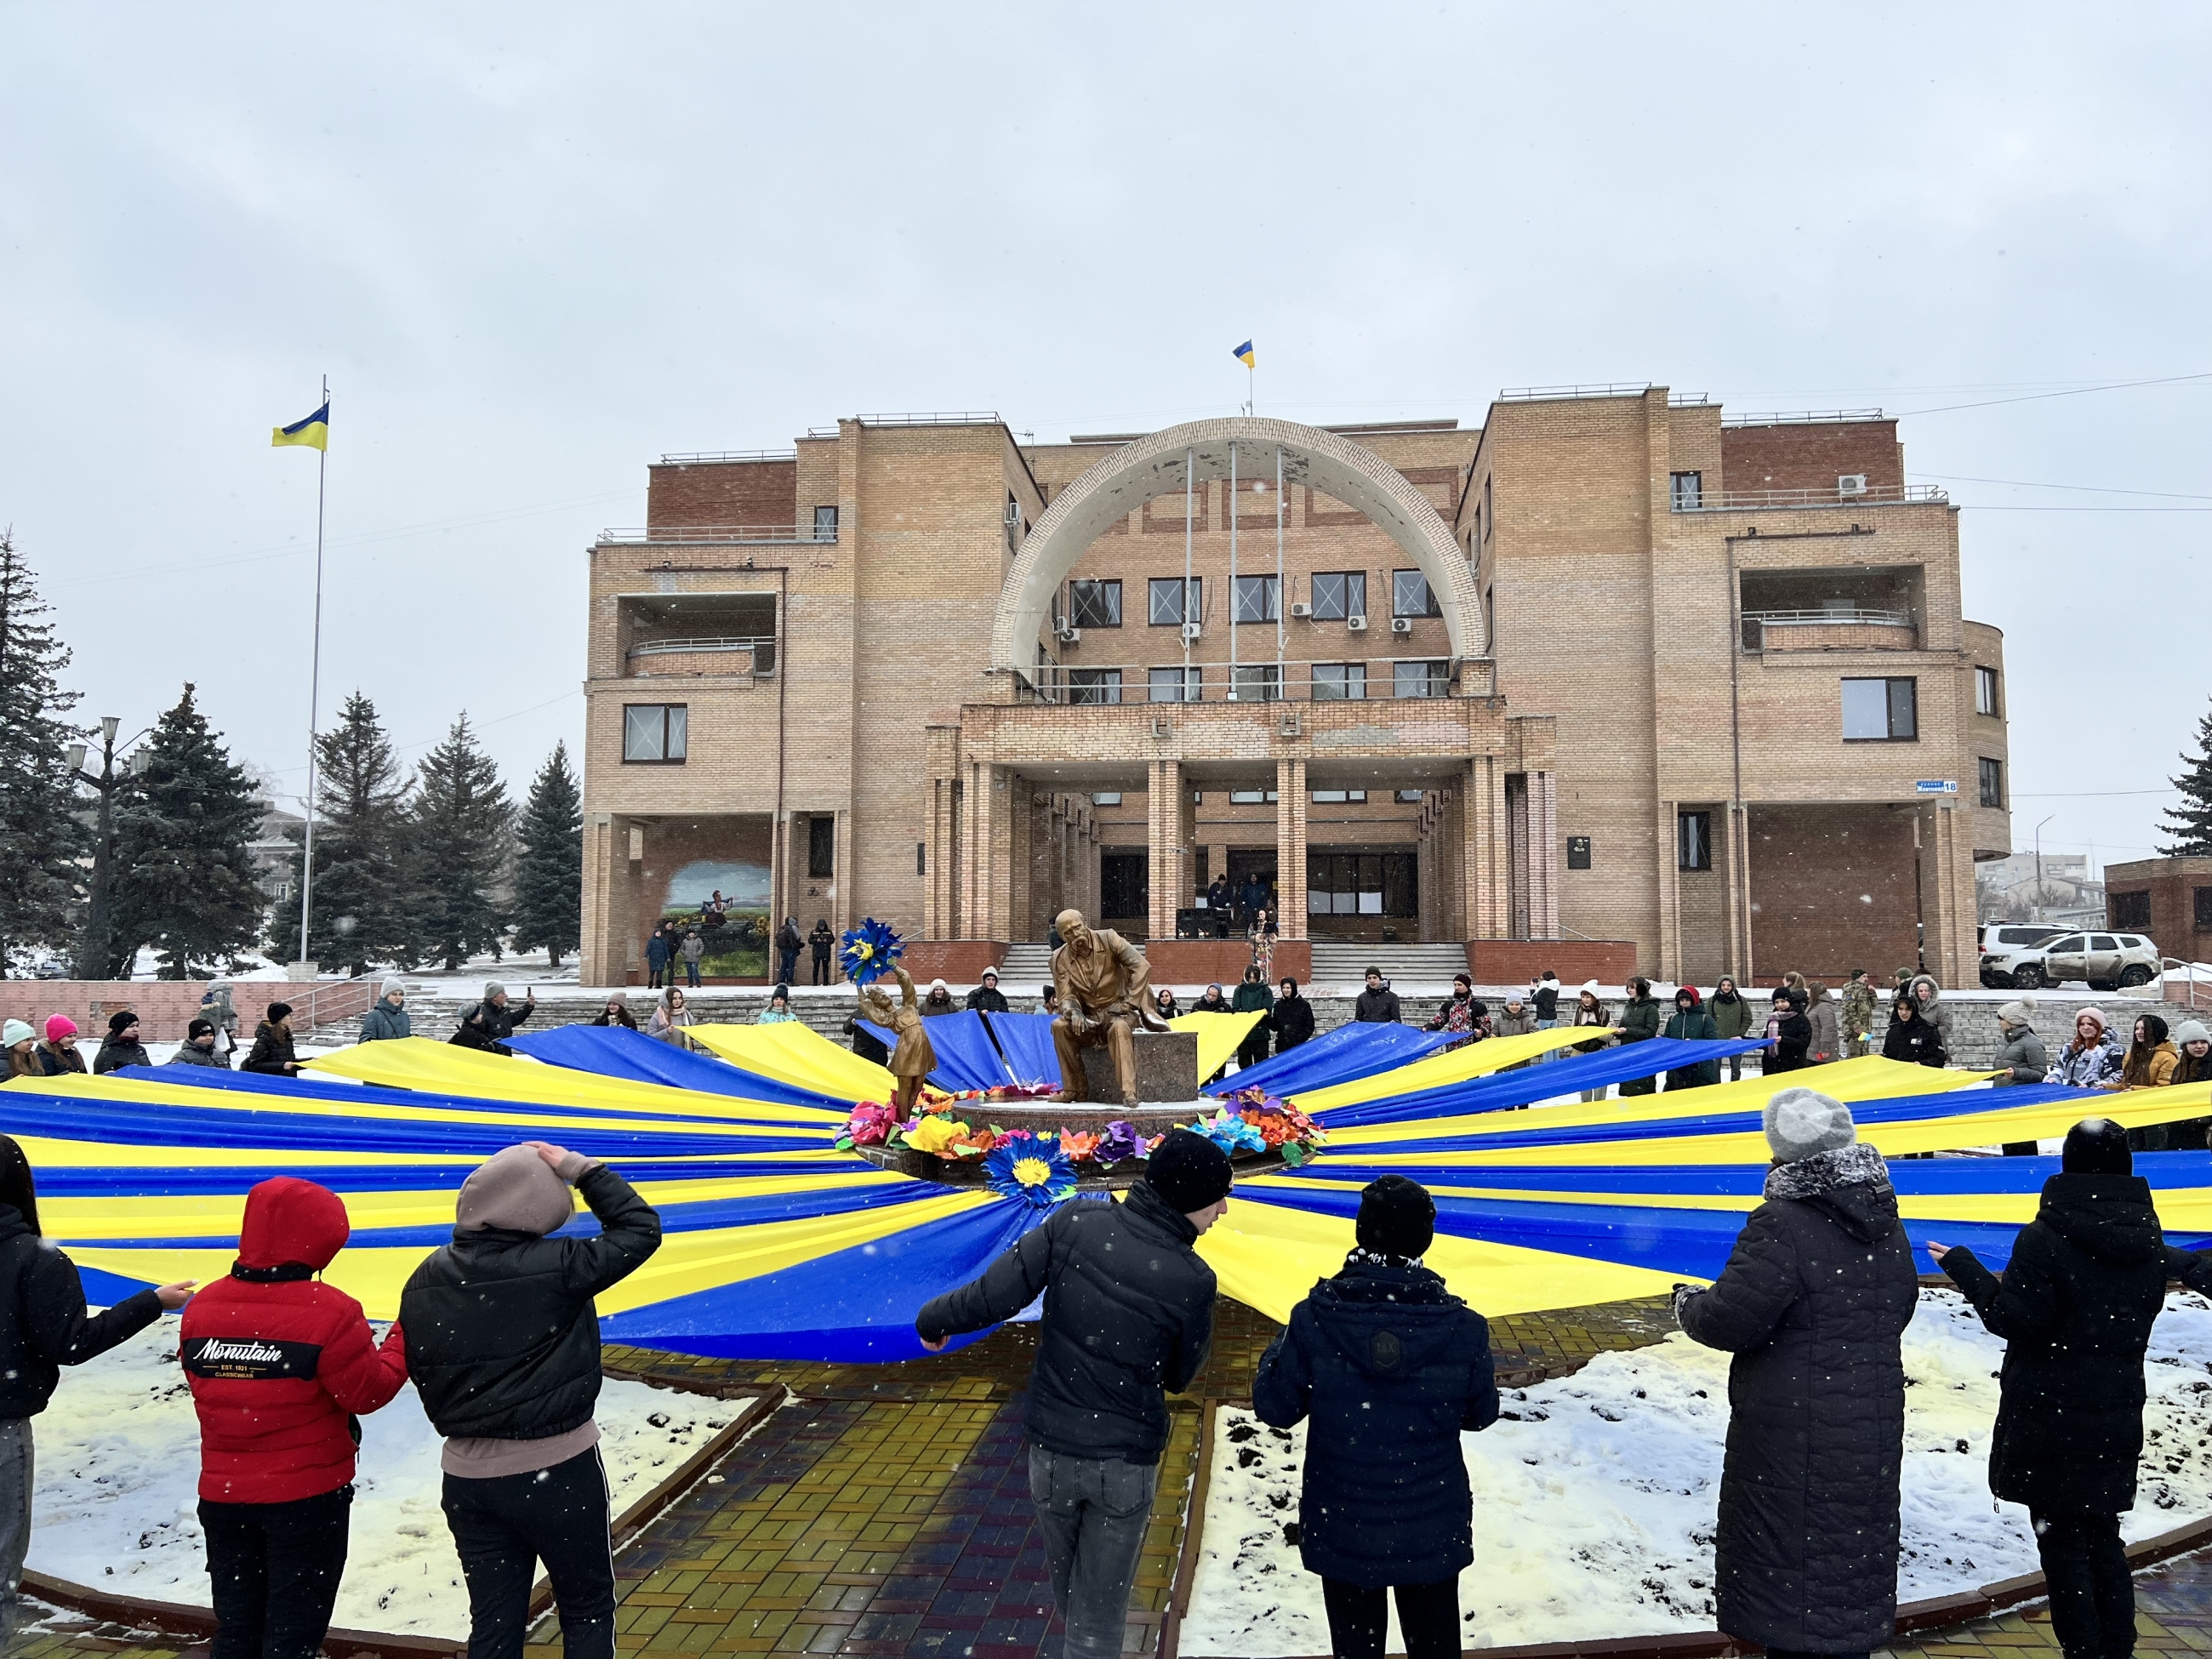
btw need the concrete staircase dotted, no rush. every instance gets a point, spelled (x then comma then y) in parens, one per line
(1337, 964)
(1026, 969)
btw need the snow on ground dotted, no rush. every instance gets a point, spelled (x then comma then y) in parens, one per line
(116, 1504)
(1595, 1498)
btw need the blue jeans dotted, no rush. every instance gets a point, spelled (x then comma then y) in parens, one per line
(1093, 1512)
(691, 973)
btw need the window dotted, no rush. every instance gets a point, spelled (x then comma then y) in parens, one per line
(654, 733)
(825, 523)
(1413, 797)
(1171, 605)
(1689, 489)
(1257, 683)
(821, 847)
(1693, 838)
(1881, 711)
(1251, 798)
(1418, 679)
(1094, 604)
(1985, 691)
(921, 858)
(1338, 594)
(2131, 909)
(2103, 942)
(1410, 595)
(1172, 684)
(1124, 884)
(1338, 797)
(1340, 681)
(1110, 798)
(1094, 685)
(1362, 884)
(1993, 785)
(2072, 945)
(2204, 909)
(1258, 598)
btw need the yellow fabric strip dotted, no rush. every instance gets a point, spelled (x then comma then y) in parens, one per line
(796, 1054)
(1459, 1065)
(1217, 1036)
(1268, 1257)
(419, 1063)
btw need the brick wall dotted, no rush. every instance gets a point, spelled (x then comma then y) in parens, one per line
(1809, 456)
(165, 1007)
(725, 493)
(2172, 884)
(1831, 891)
(1517, 961)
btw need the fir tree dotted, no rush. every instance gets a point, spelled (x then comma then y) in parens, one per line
(2189, 824)
(183, 869)
(548, 872)
(457, 848)
(40, 836)
(362, 902)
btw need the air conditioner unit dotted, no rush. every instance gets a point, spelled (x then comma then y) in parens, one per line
(1302, 609)
(1070, 637)
(1013, 512)
(1401, 625)
(1850, 484)
(1192, 630)
(1357, 624)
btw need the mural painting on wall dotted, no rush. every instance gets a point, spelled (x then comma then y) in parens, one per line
(725, 898)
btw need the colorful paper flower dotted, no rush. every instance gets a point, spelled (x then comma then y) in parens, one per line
(1233, 1134)
(1033, 1171)
(1120, 1142)
(934, 1134)
(868, 951)
(1077, 1146)
(871, 1124)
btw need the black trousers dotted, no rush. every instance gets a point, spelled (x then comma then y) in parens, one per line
(273, 1569)
(503, 1527)
(1360, 1619)
(2093, 1598)
(822, 968)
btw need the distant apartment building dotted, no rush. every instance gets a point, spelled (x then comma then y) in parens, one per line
(2170, 899)
(1610, 666)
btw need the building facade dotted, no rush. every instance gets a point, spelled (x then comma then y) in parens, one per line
(1609, 666)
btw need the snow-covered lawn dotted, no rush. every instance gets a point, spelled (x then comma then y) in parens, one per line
(117, 1505)
(1594, 1507)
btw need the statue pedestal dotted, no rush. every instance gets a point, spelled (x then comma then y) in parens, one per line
(1167, 1069)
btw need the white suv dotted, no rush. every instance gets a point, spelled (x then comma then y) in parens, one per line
(2106, 961)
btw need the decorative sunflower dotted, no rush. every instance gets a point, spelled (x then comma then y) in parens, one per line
(1034, 1172)
(869, 950)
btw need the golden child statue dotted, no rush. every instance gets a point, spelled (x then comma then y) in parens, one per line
(912, 1060)
(1105, 993)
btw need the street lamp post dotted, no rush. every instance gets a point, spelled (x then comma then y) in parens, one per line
(92, 948)
(2038, 867)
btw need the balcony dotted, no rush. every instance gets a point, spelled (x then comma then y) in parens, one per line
(725, 656)
(771, 535)
(1839, 629)
(1739, 501)
(719, 635)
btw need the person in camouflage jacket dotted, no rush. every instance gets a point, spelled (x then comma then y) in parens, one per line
(1858, 1013)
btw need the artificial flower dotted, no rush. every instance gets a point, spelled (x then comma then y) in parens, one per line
(1120, 1142)
(1074, 1144)
(934, 1134)
(1033, 1171)
(871, 1124)
(974, 1144)
(869, 950)
(1233, 1134)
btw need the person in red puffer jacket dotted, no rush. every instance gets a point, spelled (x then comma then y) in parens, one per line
(279, 1364)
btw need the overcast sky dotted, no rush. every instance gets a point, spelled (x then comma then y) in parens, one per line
(534, 247)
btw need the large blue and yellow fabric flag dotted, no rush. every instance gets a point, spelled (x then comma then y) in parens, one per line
(312, 433)
(1245, 355)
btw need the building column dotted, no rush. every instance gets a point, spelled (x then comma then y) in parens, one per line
(598, 961)
(1670, 891)
(1020, 820)
(1543, 855)
(940, 852)
(1488, 897)
(1166, 852)
(1290, 847)
(1947, 901)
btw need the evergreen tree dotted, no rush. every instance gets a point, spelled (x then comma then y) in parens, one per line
(460, 827)
(183, 869)
(2189, 824)
(41, 837)
(548, 872)
(361, 904)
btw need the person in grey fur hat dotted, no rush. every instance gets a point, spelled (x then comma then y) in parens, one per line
(1813, 1303)
(387, 1018)
(491, 1022)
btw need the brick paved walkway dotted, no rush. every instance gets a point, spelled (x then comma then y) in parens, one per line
(886, 1512)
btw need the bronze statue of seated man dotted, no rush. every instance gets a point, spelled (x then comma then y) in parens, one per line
(1104, 985)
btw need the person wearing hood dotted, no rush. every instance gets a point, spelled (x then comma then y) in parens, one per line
(1732, 1020)
(1813, 1303)
(2019, 1055)
(1378, 1003)
(939, 1001)
(1253, 997)
(503, 1341)
(2086, 1281)
(789, 942)
(670, 1014)
(2151, 1058)
(616, 1012)
(122, 1047)
(1928, 997)
(1128, 1316)
(822, 942)
(387, 1018)
(986, 998)
(1788, 1031)
(1822, 1015)
(1913, 1037)
(1693, 1024)
(778, 1011)
(1392, 1369)
(272, 1051)
(280, 1365)
(43, 1325)
(219, 1010)
(1640, 1019)
(21, 1044)
(58, 1056)
(1292, 1018)
(659, 953)
(1461, 1014)
(1211, 1001)
(199, 1047)
(1591, 1012)
(2093, 1058)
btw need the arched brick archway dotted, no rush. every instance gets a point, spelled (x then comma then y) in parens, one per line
(1155, 466)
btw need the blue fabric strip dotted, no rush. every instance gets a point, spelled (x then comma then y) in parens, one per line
(966, 1059)
(617, 1051)
(96, 1180)
(1343, 1056)
(1522, 1085)
(1025, 1048)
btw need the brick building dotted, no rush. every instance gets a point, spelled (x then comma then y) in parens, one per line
(2170, 899)
(1608, 667)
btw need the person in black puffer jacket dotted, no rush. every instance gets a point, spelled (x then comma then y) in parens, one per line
(491, 1022)
(2086, 1278)
(1292, 1018)
(1393, 1369)
(503, 1343)
(122, 1047)
(1128, 1312)
(1913, 1037)
(1813, 1303)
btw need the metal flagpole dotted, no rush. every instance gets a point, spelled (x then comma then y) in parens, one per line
(1189, 507)
(1278, 572)
(1232, 570)
(314, 685)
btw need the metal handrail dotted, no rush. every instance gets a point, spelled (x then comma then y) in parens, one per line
(718, 642)
(1520, 394)
(1812, 618)
(684, 457)
(1806, 417)
(935, 417)
(1051, 684)
(798, 533)
(1725, 501)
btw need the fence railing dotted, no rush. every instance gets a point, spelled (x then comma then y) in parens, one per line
(1737, 500)
(760, 647)
(1115, 683)
(1756, 622)
(789, 533)
(684, 458)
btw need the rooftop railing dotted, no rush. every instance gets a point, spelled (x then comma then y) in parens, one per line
(802, 534)
(1805, 418)
(1739, 501)
(686, 458)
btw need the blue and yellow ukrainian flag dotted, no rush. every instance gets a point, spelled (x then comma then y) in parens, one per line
(1244, 355)
(314, 432)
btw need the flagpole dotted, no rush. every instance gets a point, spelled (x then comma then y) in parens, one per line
(314, 687)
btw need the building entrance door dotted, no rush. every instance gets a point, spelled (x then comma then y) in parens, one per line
(1359, 893)
(1251, 875)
